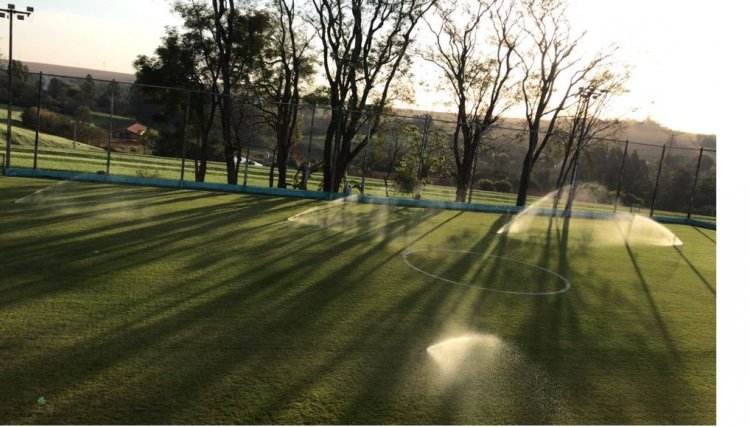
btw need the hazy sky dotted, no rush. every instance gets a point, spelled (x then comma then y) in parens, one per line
(671, 46)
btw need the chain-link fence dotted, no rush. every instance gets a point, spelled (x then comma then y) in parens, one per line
(86, 125)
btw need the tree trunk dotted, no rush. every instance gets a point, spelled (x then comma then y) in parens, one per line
(200, 176)
(273, 168)
(328, 150)
(523, 185)
(461, 192)
(281, 158)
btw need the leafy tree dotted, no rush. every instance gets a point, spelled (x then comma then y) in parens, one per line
(214, 53)
(24, 86)
(176, 63)
(88, 91)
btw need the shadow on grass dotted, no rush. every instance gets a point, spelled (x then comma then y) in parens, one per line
(698, 229)
(306, 291)
(216, 309)
(695, 270)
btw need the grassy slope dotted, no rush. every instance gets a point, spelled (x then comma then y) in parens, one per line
(25, 138)
(138, 305)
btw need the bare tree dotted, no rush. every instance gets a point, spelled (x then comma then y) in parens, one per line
(586, 123)
(287, 63)
(364, 45)
(236, 38)
(478, 72)
(551, 72)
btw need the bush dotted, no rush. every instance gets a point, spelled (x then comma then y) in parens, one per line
(502, 186)
(62, 126)
(630, 200)
(486, 184)
(49, 122)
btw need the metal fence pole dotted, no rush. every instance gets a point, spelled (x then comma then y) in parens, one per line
(184, 139)
(658, 176)
(474, 166)
(364, 161)
(334, 147)
(306, 178)
(622, 172)
(418, 193)
(38, 110)
(247, 165)
(247, 156)
(111, 113)
(695, 184)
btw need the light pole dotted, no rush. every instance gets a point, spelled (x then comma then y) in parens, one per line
(11, 12)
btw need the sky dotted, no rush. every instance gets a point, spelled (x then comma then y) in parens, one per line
(670, 45)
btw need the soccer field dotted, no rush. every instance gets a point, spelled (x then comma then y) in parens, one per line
(140, 305)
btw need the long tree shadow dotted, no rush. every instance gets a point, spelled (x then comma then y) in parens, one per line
(259, 321)
(662, 326)
(699, 230)
(178, 314)
(695, 270)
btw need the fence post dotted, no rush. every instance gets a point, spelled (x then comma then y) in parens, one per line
(622, 172)
(334, 147)
(111, 113)
(306, 178)
(247, 165)
(364, 161)
(418, 194)
(247, 156)
(695, 184)
(474, 166)
(184, 140)
(38, 109)
(658, 176)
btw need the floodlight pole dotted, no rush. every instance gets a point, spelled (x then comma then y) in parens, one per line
(11, 11)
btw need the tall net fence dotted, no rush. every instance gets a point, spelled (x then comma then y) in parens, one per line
(86, 125)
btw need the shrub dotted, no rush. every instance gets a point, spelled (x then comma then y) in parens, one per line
(486, 184)
(503, 185)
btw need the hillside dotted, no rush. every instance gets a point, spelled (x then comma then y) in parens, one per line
(67, 71)
(643, 132)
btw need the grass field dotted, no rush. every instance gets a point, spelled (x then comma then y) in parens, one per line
(138, 305)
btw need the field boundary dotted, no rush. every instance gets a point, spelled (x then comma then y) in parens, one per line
(316, 195)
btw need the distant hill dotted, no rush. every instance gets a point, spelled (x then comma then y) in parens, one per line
(64, 70)
(645, 132)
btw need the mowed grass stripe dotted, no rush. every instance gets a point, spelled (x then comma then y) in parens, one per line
(126, 305)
